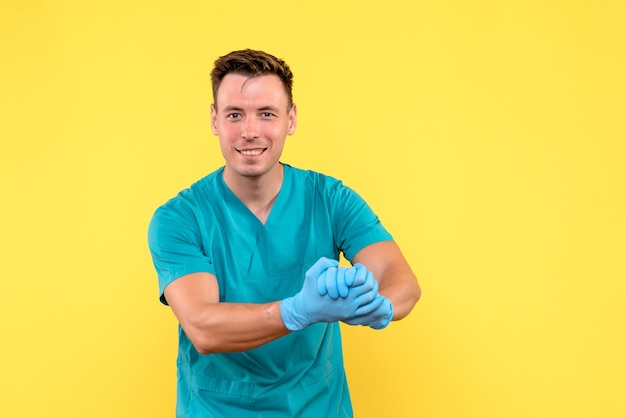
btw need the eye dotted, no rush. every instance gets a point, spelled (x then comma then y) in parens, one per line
(267, 114)
(233, 115)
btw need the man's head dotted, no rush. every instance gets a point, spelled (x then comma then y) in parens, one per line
(251, 63)
(252, 114)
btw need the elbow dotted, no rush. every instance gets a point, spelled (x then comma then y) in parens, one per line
(417, 293)
(202, 344)
(199, 335)
(410, 298)
(204, 350)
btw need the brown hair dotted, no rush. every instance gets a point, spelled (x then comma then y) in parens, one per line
(251, 63)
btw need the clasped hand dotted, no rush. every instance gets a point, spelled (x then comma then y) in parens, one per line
(331, 293)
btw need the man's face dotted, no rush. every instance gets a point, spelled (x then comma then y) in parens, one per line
(252, 120)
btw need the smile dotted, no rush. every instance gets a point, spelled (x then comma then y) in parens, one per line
(251, 152)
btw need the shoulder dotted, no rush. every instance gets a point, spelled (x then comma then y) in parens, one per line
(196, 193)
(191, 202)
(313, 179)
(325, 191)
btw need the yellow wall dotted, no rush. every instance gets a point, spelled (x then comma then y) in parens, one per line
(489, 137)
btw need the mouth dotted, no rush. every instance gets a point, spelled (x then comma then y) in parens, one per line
(252, 152)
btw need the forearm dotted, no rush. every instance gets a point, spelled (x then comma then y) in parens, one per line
(232, 327)
(395, 277)
(401, 288)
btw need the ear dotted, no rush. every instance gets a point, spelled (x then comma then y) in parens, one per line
(214, 120)
(293, 119)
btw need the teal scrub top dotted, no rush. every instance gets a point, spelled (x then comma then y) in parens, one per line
(206, 228)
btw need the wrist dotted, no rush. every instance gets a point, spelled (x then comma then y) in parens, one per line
(387, 308)
(290, 315)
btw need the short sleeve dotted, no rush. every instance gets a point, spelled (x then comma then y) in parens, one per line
(355, 223)
(175, 243)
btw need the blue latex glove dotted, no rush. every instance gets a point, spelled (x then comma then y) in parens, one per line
(309, 307)
(336, 282)
(379, 318)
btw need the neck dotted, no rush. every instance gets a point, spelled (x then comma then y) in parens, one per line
(256, 193)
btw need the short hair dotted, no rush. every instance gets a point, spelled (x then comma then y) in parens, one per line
(252, 63)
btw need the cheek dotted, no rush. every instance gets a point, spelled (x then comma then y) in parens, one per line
(226, 137)
(278, 131)
(226, 130)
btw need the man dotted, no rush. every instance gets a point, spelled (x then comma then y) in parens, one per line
(247, 260)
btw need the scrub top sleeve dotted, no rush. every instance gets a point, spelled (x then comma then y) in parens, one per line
(175, 245)
(356, 223)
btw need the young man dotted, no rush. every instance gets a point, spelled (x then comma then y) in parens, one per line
(247, 260)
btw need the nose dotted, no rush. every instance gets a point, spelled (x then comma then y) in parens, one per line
(250, 128)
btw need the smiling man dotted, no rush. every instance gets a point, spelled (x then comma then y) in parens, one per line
(247, 260)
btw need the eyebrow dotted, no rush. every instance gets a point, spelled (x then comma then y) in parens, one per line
(239, 109)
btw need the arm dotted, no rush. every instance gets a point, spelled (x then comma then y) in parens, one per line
(395, 277)
(214, 326)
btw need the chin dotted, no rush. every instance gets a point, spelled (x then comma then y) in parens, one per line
(250, 172)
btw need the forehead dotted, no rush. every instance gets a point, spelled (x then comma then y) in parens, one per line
(242, 90)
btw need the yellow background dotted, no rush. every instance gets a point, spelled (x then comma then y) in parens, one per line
(487, 135)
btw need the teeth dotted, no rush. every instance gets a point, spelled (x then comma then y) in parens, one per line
(251, 152)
